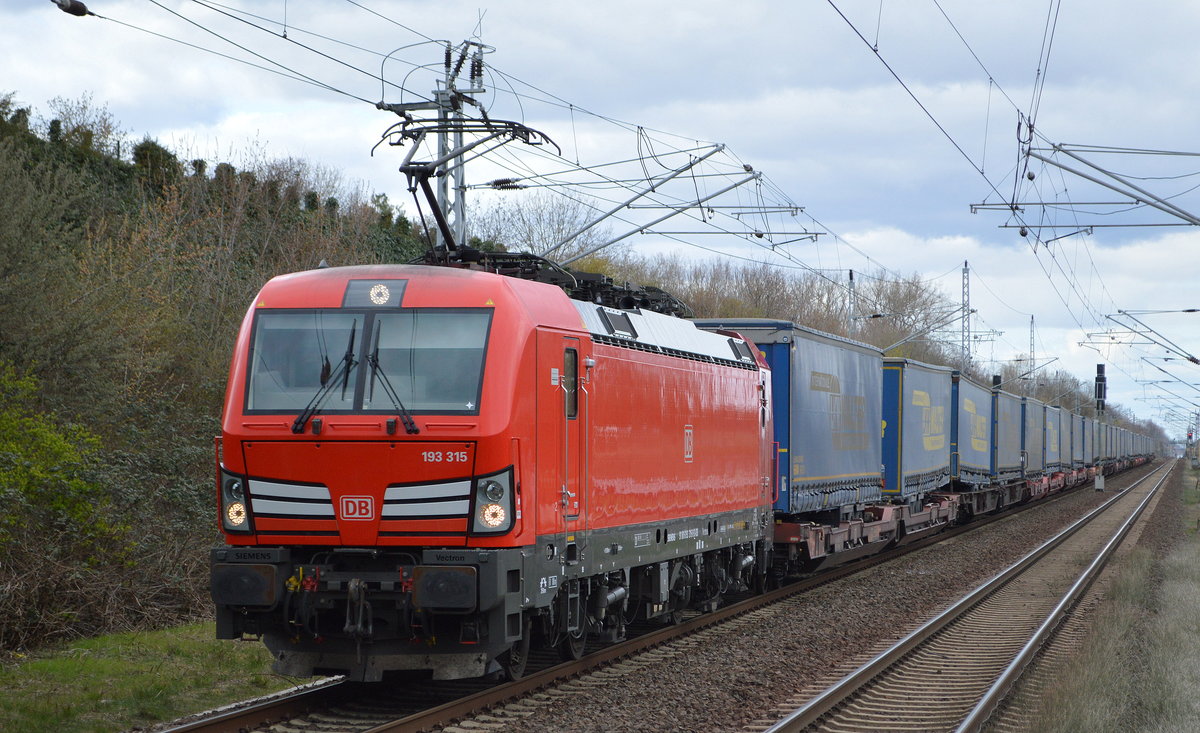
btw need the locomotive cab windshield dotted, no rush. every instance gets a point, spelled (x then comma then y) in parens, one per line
(343, 361)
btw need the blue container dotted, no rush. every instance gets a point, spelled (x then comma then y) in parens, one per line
(1054, 458)
(1006, 436)
(1078, 440)
(917, 407)
(970, 432)
(1033, 436)
(826, 401)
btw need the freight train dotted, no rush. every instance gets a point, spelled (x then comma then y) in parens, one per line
(433, 468)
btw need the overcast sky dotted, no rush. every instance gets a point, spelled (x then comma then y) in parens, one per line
(886, 168)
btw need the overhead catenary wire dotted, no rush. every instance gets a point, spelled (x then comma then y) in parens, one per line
(1067, 267)
(644, 137)
(373, 76)
(308, 78)
(282, 71)
(941, 128)
(1068, 270)
(1043, 62)
(296, 29)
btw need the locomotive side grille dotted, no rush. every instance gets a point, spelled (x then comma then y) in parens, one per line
(667, 351)
(274, 499)
(428, 501)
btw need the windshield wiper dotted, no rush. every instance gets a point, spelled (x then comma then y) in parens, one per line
(328, 381)
(410, 425)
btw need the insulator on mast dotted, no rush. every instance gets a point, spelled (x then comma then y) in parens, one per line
(74, 7)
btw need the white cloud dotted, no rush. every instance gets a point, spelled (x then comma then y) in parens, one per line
(789, 86)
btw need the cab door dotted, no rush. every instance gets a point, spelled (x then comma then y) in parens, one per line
(562, 406)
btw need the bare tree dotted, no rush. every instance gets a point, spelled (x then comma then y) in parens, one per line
(86, 125)
(540, 221)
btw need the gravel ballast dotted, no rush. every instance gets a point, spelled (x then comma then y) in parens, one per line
(727, 677)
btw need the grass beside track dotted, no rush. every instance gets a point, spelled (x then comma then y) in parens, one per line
(128, 681)
(1140, 667)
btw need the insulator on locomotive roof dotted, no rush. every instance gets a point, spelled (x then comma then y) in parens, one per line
(74, 7)
(462, 56)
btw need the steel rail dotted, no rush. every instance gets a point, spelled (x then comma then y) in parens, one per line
(1004, 683)
(315, 696)
(818, 706)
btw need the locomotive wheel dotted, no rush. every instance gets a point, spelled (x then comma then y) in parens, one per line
(765, 581)
(572, 646)
(514, 661)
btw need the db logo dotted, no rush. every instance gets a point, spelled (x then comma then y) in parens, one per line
(358, 507)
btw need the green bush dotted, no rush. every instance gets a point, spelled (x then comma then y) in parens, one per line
(42, 471)
(57, 527)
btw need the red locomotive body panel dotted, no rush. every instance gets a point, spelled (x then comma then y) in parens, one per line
(673, 438)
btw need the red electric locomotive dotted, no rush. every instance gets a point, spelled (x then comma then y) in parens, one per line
(427, 468)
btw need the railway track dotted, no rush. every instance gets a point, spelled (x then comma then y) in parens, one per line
(414, 706)
(952, 673)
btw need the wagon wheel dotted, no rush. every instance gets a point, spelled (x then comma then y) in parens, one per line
(573, 643)
(514, 661)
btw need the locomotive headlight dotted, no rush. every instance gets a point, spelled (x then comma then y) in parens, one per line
(492, 490)
(235, 514)
(492, 515)
(234, 505)
(492, 503)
